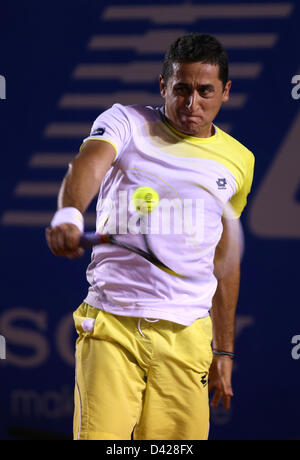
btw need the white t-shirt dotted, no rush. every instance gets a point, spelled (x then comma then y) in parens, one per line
(194, 178)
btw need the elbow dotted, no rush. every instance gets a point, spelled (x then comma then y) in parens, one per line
(227, 269)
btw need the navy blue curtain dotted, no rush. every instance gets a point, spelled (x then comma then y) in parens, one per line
(61, 64)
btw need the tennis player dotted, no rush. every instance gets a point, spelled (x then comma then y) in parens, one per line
(149, 342)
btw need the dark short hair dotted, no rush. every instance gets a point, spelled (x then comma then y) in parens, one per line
(196, 48)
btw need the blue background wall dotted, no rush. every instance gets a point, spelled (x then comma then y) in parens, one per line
(43, 48)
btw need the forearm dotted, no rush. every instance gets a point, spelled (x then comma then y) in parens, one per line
(78, 188)
(224, 309)
(84, 177)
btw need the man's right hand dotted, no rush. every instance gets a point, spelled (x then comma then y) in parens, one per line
(63, 241)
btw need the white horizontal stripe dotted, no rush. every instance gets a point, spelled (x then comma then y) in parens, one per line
(147, 72)
(159, 41)
(245, 70)
(236, 41)
(153, 41)
(186, 14)
(68, 130)
(99, 101)
(51, 160)
(38, 219)
(89, 101)
(37, 189)
(128, 72)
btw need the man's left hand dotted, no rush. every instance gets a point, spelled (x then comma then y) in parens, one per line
(220, 381)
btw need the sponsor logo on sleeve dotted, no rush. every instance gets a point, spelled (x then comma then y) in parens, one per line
(98, 132)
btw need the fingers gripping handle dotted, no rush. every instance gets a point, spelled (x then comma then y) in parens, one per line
(87, 240)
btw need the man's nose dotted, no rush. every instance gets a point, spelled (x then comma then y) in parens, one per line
(192, 101)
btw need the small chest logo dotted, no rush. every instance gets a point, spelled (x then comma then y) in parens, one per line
(222, 184)
(98, 132)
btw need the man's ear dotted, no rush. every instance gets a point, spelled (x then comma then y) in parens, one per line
(162, 86)
(227, 91)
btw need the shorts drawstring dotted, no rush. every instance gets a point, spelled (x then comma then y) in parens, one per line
(139, 327)
(148, 320)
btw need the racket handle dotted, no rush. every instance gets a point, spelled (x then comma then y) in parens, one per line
(87, 240)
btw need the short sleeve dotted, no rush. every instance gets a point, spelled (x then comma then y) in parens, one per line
(112, 126)
(239, 200)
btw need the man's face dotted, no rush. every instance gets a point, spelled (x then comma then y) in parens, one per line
(193, 97)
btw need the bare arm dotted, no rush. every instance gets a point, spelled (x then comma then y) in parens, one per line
(79, 187)
(227, 271)
(85, 175)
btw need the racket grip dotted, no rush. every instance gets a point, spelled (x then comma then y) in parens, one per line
(87, 240)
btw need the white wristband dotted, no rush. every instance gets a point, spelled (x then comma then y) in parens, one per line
(68, 216)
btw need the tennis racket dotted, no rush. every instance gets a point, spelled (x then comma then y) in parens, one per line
(88, 240)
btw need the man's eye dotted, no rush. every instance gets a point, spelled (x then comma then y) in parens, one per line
(181, 90)
(206, 91)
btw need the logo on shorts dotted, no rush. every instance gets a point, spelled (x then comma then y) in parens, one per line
(204, 379)
(98, 132)
(221, 183)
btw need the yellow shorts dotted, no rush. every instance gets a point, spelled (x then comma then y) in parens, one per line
(140, 377)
